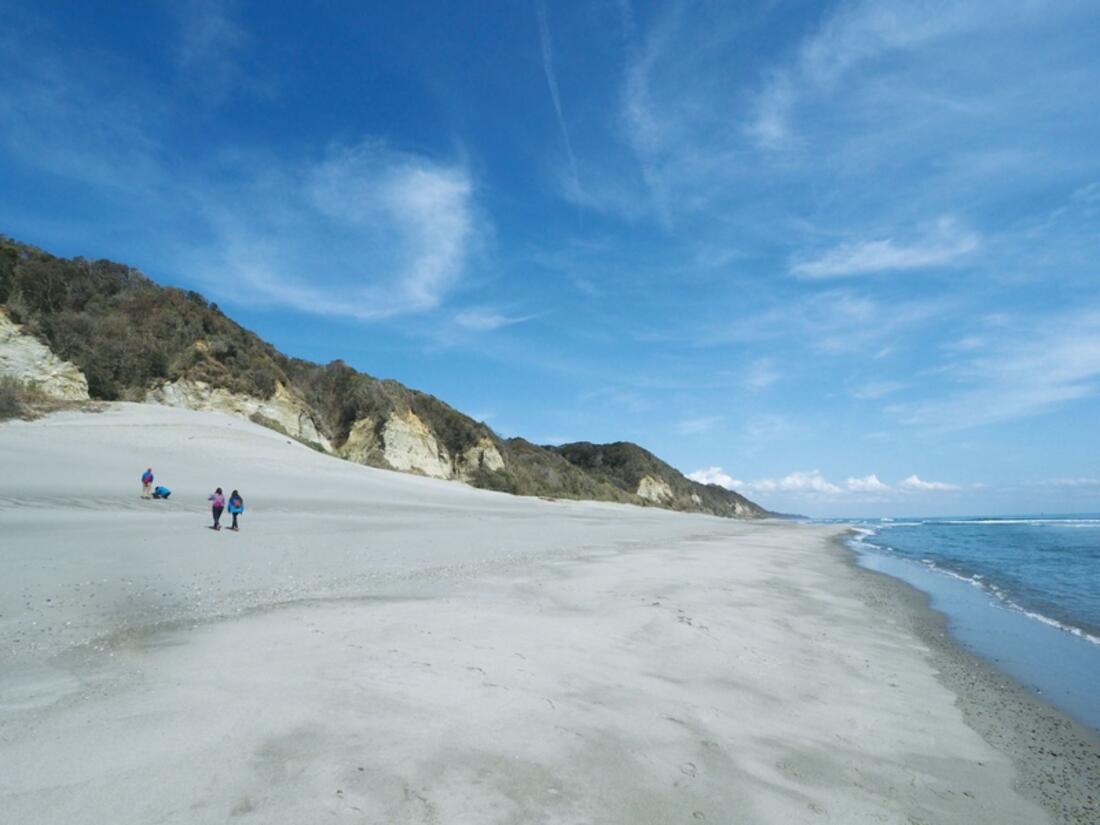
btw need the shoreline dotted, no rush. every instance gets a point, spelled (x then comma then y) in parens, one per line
(1057, 758)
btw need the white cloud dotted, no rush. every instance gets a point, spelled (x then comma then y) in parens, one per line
(812, 483)
(715, 475)
(368, 232)
(944, 244)
(914, 482)
(867, 484)
(800, 481)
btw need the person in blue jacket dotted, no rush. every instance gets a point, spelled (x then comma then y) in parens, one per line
(236, 507)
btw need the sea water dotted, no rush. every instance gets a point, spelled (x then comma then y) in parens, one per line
(1022, 592)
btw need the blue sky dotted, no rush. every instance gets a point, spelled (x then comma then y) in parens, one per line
(840, 256)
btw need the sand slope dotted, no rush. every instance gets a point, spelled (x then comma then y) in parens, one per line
(376, 647)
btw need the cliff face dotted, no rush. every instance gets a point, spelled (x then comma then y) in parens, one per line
(283, 411)
(27, 360)
(79, 329)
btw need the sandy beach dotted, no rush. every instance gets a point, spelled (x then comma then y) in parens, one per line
(375, 647)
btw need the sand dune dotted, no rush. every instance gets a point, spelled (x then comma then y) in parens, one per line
(377, 647)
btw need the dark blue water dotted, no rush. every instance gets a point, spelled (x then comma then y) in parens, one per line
(1021, 592)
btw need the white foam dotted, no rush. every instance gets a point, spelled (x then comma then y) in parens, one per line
(978, 581)
(1039, 617)
(1069, 522)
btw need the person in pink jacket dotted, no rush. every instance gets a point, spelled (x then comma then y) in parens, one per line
(217, 505)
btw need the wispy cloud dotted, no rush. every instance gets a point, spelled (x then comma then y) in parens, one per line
(211, 49)
(660, 129)
(834, 321)
(761, 374)
(485, 319)
(629, 400)
(1028, 369)
(855, 33)
(1080, 481)
(555, 95)
(695, 426)
(877, 389)
(47, 123)
(942, 245)
(396, 230)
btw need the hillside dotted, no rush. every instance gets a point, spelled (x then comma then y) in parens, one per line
(632, 469)
(74, 329)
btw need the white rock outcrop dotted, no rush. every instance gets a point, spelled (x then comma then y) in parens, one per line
(409, 445)
(742, 510)
(654, 489)
(283, 408)
(403, 441)
(26, 359)
(483, 455)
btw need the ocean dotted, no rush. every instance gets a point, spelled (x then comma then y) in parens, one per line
(1022, 592)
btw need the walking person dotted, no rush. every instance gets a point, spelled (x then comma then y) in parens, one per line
(217, 505)
(147, 483)
(236, 507)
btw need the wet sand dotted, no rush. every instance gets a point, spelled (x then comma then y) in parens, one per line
(1057, 759)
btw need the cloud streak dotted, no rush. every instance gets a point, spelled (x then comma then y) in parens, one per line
(546, 46)
(944, 245)
(210, 51)
(1029, 369)
(486, 319)
(695, 426)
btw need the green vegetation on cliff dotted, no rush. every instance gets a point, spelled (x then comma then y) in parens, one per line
(125, 332)
(129, 335)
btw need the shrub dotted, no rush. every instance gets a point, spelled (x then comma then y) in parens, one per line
(11, 399)
(270, 423)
